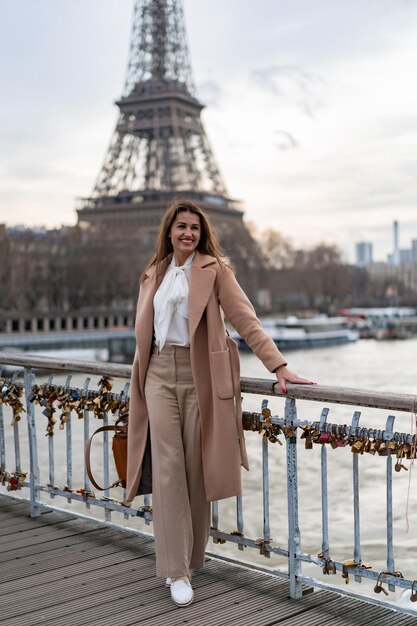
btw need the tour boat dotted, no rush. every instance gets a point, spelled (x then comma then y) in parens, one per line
(293, 332)
(383, 322)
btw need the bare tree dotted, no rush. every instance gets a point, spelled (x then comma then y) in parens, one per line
(277, 249)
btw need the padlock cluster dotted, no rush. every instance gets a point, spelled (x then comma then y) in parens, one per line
(66, 400)
(11, 394)
(13, 481)
(262, 423)
(329, 567)
(370, 441)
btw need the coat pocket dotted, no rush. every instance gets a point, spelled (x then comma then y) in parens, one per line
(222, 374)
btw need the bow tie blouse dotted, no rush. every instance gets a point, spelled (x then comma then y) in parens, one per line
(171, 306)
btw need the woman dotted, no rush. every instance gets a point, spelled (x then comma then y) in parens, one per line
(185, 389)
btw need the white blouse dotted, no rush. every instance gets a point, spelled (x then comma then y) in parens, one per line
(170, 305)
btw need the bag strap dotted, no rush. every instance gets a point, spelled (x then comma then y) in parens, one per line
(114, 428)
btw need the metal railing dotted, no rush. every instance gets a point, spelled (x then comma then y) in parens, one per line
(66, 401)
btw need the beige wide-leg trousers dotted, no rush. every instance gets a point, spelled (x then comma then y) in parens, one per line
(181, 513)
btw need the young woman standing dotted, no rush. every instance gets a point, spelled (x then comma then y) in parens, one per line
(185, 389)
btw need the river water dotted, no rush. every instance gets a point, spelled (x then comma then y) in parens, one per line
(366, 364)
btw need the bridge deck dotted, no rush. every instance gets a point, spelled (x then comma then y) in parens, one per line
(61, 570)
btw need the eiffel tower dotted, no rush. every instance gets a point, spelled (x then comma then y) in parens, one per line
(159, 149)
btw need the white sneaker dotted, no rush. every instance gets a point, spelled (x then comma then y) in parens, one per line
(181, 591)
(168, 581)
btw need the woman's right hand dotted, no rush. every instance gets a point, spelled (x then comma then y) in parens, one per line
(285, 375)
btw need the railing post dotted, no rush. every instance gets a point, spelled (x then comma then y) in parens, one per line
(215, 518)
(265, 485)
(2, 442)
(389, 427)
(294, 539)
(35, 508)
(106, 492)
(239, 518)
(357, 556)
(86, 419)
(68, 444)
(324, 493)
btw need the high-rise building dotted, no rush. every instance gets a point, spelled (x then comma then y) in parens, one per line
(414, 250)
(364, 253)
(396, 248)
(406, 256)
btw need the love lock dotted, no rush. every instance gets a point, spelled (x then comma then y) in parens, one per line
(263, 547)
(14, 484)
(329, 567)
(378, 587)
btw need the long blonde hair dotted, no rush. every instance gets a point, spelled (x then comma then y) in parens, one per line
(208, 243)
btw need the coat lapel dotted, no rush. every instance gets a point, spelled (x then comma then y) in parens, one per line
(202, 279)
(144, 319)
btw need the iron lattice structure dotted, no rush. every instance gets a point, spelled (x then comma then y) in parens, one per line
(159, 143)
(159, 149)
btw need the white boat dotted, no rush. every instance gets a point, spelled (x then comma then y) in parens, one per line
(293, 332)
(383, 322)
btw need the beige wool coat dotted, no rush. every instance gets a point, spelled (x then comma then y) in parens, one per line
(215, 367)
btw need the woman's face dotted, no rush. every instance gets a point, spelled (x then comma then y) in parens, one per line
(185, 235)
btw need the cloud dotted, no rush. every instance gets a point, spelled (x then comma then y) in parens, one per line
(210, 93)
(274, 67)
(292, 83)
(286, 141)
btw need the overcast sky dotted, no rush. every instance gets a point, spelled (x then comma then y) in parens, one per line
(311, 109)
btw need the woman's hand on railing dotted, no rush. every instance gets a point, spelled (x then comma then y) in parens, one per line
(285, 375)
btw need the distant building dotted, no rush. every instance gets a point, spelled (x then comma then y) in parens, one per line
(406, 256)
(363, 253)
(402, 256)
(405, 274)
(414, 250)
(395, 259)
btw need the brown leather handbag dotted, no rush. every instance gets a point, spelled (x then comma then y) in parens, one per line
(119, 447)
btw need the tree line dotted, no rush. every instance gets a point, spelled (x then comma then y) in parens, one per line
(65, 270)
(318, 279)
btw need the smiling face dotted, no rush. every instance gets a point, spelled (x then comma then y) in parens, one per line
(185, 235)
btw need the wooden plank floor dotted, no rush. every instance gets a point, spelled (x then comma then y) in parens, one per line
(59, 570)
